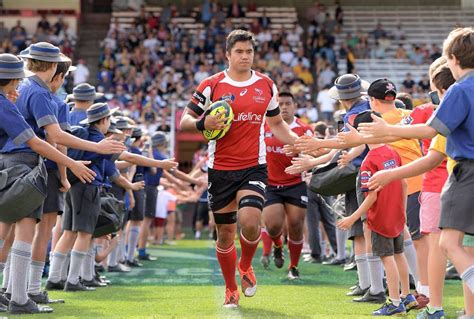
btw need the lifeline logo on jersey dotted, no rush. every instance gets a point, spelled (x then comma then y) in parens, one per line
(248, 116)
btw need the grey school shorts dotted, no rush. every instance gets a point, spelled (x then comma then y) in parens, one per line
(457, 200)
(384, 246)
(150, 201)
(31, 160)
(138, 212)
(352, 205)
(82, 208)
(54, 201)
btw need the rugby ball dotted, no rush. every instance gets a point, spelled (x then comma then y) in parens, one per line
(221, 109)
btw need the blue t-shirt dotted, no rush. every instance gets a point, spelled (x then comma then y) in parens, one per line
(76, 116)
(349, 117)
(13, 125)
(154, 179)
(98, 160)
(139, 169)
(111, 173)
(62, 114)
(36, 105)
(454, 118)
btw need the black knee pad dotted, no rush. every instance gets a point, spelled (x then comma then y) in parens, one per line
(252, 201)
(225, 219)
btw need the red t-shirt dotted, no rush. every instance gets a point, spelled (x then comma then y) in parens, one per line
(277, 161)
(387, 215)
(434, 180)
(243, 146)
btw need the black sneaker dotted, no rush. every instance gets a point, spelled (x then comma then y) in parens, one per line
(350, 266)
(93, 283)
(147, 257)
(28, 308)
(42, 298)
(357, 291)
(54, 285)
(293, 273)
(452, 273)
(4, 300)
(118, 268)
(99, 268)
(3, 308)
(133, 263)
(278, 257)
(77, 287)
(379, 298)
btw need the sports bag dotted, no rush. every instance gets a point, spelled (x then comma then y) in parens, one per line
(330, 180)
(111, 216)
(22, 190)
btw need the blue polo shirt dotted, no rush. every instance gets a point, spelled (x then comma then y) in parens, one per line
(454, 118)
(36, 105)
(154, 179)
(139, 169)
(111, 173)
(13, 125)
(62, 114)
(98, 160)
(76, 116)
(361, 106)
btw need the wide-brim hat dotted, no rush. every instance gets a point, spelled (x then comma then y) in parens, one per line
(137, 132)
(347, 87)
(12, 67)
(123, 123)
(113, 128)
(97, 112)
(44, 51)
(158, 139)
(84, 92)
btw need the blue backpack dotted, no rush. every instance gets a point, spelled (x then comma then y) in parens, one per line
(82, 133)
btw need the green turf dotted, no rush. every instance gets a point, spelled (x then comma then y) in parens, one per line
(185, 282)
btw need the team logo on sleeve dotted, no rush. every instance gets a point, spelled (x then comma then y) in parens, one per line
(364, 178)
(229, 97)
(389, 164)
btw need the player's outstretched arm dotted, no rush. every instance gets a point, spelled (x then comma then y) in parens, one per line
(419, 166)
(281, 129)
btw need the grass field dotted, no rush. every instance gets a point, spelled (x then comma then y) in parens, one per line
(186, 282)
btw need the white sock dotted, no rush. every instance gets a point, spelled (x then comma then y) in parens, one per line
(20, 262)
(6, 272)
(410, 254)
(34, 279)
(376, 273)
(132, 242)
(468, 277)
(396, 302)
(363, 271)
(56, 265)
(77, 258)
(341, 238)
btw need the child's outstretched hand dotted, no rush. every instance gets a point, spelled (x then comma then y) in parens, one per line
(345, 223)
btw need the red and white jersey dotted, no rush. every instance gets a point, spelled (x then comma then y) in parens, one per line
(277, 161)
(243, 145)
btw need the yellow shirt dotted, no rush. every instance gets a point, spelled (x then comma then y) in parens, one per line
(408, 149)
(439, 144)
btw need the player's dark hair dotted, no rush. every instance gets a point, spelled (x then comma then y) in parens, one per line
(287, 94)
(442, 77)
(406, 99)
(239, 36)
(320, 128)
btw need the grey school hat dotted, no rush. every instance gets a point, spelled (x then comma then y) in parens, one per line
(137, 132)
(44, 51)
(84, 92)
(347, 87)
(113, 128)
(123, 123)
(97, 112)
(12, 67)
(158, 139)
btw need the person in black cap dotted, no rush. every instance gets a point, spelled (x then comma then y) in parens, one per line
(15, 130)
(348, 90)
